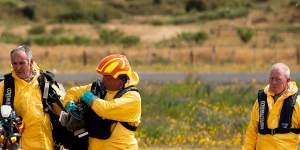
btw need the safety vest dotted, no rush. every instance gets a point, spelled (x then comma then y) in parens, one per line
(61, 136)
(102, 128)
(285, 115)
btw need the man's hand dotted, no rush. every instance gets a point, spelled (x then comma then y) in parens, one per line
(88, 97)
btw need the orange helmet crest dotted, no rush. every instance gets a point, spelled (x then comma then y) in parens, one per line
(114, 65)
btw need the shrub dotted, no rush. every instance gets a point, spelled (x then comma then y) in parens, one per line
(9, 3)
(28, 12)
(221, 13)
(192, 38)
(274, 37)
(203, 5)
(295, 3)
(58, 40)
(110, 36)
(8, 37)
(128, 41)
(245, 33)
(185, 39)
(57, 31)
(38, 29)
(155, 22)
(81, 40)
(197, 37)
(41, 40)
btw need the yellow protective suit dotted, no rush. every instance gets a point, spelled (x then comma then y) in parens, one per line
(37, 134)
(288, 141)
(126, 108)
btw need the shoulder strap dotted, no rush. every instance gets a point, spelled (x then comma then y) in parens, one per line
(125, 90)
(118, 95)
(9, 90)
(263, 110)
(287, 111)
(45, 80)
(285, 116)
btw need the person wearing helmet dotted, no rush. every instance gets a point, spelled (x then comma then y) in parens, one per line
(114, 105)
(275, 121)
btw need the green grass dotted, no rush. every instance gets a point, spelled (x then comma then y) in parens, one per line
(193, 114)
(185, 39)
(187, 18)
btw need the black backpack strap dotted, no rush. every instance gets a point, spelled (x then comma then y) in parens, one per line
(46, 79)
(118, 95)
(285, 117)
(263, 111)
(287, 111)
(128, 126)
(9, 90)
(125, 90)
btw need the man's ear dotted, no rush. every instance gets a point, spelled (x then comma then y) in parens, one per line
(288, 79)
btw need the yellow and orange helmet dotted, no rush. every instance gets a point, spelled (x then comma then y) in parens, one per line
(114, 65)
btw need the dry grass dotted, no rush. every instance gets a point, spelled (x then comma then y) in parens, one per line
(195, 59)
(222, 52)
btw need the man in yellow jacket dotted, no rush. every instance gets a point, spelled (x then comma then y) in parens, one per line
(275, 117)
(120, 115)
(37, 134)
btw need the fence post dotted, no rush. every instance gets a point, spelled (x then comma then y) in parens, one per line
(276, 55)
(213, 54)
(46, 54)
(254, 56)
(170, 56)
(192, 57)
(298, 55)
(84, 58)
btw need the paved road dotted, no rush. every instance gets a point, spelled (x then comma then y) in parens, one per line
(173, 77)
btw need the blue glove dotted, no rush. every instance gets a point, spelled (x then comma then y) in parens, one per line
(71, 106)
(88, 97)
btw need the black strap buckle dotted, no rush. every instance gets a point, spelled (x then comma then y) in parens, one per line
(272, 131)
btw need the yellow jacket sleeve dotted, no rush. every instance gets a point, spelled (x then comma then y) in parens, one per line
(127, 108)
(75, 93)
(252, 130)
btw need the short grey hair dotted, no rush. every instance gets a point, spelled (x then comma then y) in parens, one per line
(23, 48)
(282, 68)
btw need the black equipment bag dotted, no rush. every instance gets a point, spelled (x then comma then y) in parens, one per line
(61, 136)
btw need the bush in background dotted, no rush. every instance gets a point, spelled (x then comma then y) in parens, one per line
(185, 38)
(245, 33)
(8, 37)
(37, 29)
(115, 36)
